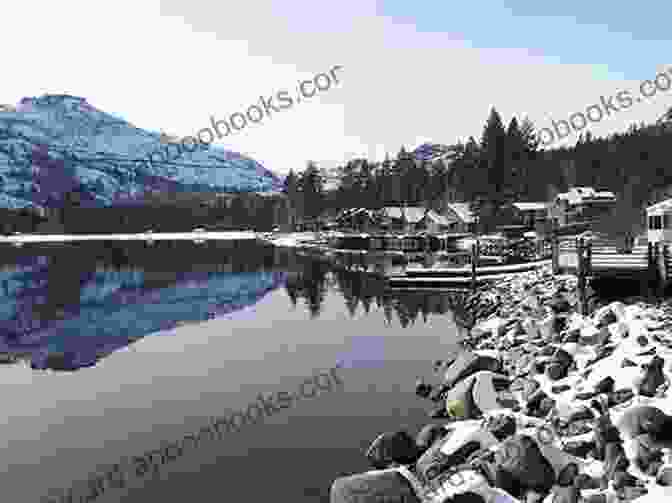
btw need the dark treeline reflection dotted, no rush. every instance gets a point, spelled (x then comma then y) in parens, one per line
(309, 280)
(66, 306)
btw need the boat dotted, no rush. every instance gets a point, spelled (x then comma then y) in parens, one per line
(439, 277)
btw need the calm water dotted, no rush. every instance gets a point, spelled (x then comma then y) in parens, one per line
(114, 348)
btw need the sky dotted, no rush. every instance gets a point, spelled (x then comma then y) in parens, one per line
(411, 72)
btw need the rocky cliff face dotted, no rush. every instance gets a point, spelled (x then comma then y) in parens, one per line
(55, 146)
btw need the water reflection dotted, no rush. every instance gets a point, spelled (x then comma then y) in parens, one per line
(311, 279)
(66, 306)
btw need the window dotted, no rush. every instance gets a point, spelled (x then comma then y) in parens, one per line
(655, 222)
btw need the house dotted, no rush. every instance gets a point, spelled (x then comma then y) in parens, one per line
(359, 219)
(659, 222)
(532, 216)
(412, 219)
(393, 218)
(401, 219)
(581, 205)
(433, 223)
(460, 217)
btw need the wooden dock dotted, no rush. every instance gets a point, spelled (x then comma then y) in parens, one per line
(599, 258)
(441, 277)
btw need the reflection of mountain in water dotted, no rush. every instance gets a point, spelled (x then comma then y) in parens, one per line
(68, 314)
(311, 280)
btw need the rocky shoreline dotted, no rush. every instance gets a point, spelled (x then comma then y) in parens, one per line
(573, 383)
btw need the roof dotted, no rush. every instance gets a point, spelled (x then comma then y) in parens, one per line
(663, 206)
(351, 212)
(412, 214)
(578, 195)
(462, 211)
(531, 206)
(439, 219)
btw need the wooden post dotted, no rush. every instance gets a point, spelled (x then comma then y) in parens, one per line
(652, 272)
(589, 259)
(555, 251)
(665, 274)
(474, 261)
(581, 273)
(661, 269)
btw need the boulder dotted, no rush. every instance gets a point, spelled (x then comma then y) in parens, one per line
(604, 316)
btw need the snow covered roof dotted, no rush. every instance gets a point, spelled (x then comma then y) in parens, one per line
(412, 214)
(661, 207)
(531, 206)
(577, 195)
(462, 211)
(439, 219)
(349, 212)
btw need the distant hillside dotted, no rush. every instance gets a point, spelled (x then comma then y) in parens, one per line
(433, 152)
(59, 144)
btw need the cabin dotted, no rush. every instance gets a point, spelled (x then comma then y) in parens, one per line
(460, 217)
(581, 205)
(395, 219)
(400, 219)
(530, 215)
(659, 222)
(357, 219)
(433, 223)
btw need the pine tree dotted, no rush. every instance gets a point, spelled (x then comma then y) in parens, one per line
(312, 190)
(404, 175)
(516, 152)
(493, 162)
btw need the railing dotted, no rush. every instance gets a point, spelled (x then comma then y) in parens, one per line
(600, 257)
(604, 255)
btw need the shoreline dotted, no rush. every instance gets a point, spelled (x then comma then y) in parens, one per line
(141, 236)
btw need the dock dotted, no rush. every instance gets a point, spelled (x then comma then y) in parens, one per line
(594, 259)
(445, 277)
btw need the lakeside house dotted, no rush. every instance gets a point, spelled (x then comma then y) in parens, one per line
(531, 215)
(399, 218)
(394, 219)
(581, 205)
(460, 217)
(357, 219)
(659, 222)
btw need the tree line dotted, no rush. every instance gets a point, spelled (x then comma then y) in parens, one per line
(506, 164)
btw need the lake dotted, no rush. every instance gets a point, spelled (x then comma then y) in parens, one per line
(112, 349)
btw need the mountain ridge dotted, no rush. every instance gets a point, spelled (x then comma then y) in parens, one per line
(57, 144)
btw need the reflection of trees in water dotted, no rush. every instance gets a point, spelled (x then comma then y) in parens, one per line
(308, 282)
(365, 289)
(358, 287)
(410, 305)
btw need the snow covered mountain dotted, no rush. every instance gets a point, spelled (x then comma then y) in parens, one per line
(58, 144)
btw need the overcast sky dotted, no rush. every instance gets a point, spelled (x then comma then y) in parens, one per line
(412, 71)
